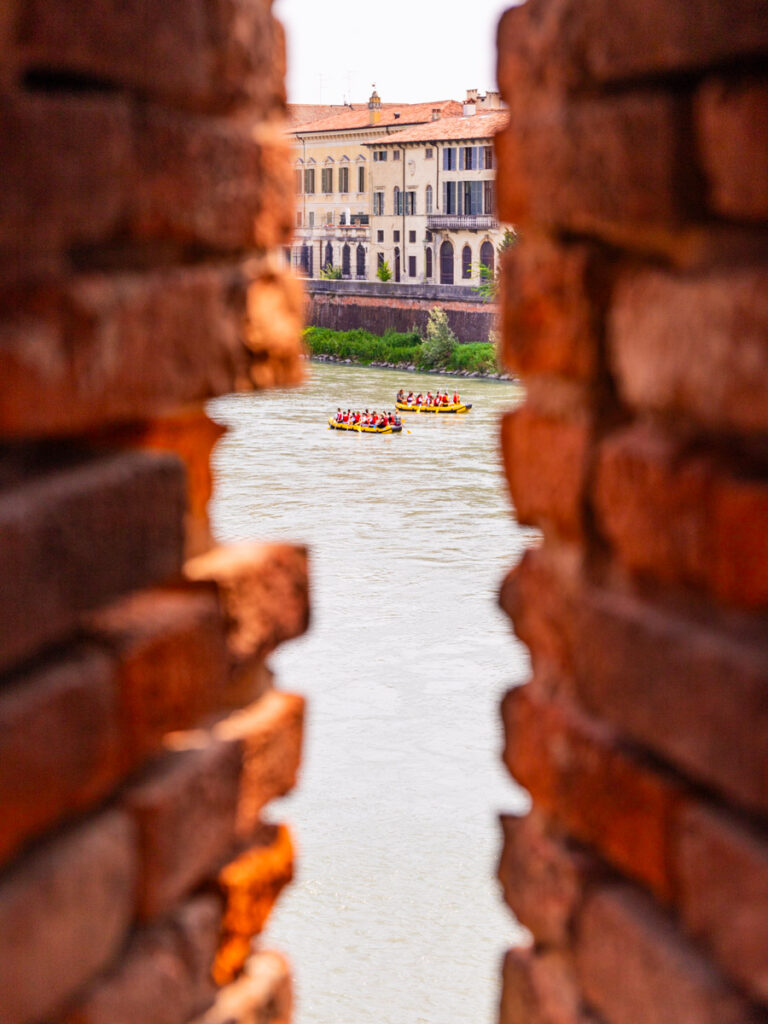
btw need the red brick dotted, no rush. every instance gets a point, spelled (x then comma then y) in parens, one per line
(263, 590)
(193, 52)
(212, 181)
(270, 735)
(80, 535)
(518, 995)
(695, 346)
(644, 668)
(579, 42)
(184, 811)
(539, 988)
(575, 770)
(548, 316)
(600, 166)
(679, 518)
(250, 885)
(723, 871)
(262, 996)
(59, 743)
(112, 349)
(273, 331)
(157, 981)
(732, 122)
(634, 966)
(171, 659)
(64, 912)
(544, 877)
(545, 460)
(52, 198)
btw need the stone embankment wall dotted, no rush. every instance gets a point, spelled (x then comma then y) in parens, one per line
(144, 183)
(636, 308)
(378, 308)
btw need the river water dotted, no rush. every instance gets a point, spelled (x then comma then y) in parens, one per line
(396, 917)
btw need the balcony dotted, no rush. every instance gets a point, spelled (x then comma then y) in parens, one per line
(461, 222)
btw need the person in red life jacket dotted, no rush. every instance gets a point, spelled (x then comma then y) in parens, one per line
(391, 419)
(445, 398)
(356, 417)
(337, 417)
(418, 398)
(456, 398)
(410, 399)
(345, 417)
(430, 399)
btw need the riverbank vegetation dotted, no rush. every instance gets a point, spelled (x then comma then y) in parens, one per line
(438, 351)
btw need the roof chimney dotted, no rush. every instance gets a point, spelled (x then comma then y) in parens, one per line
(472, 95)
(469, 108)
(374, 108)
(435, 113)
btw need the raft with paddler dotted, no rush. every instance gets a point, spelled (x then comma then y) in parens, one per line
(437, 403)
(366, 422)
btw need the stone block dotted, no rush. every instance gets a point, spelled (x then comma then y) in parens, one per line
(269, 734)
(264, 593)
(262, 996)
(274, 322)
(576, 772)
(694, 346)
(82, 534)
(732, 124)
(171, 662)
(545, 461)
(634, 966)
(64, 912)
(723, 869)
(59, 743)
(184, 811)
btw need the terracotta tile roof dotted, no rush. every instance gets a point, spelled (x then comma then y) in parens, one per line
(409, 113)
(477, 126)
(303, 113)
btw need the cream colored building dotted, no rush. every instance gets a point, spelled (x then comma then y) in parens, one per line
(332, 167)
(433, 198)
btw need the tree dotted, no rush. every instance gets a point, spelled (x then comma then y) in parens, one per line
(383, 272)
(488, 288)
(440, 342)
(330, 273)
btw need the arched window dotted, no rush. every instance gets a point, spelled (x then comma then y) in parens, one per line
(361, 261)
(346, 261)
(328, 255)
(446, 263)
(487, 257)
(466, 262)
(306, 260)
(398, 202)
(397, 263)
(428, 262)
(429, 199)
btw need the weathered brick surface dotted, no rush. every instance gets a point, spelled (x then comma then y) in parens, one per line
(263, 590)
(732, 121)
(184, 811)
(250, 885)
(275, 317)
(262, 996)
(74, 537)
(545, 459)
(634, 966)
(163, 976)
(268, 735)
(59, 743)
(695, 346)
(723, 871)
(544, 878)
(678, 517)
(539, 988)
(64, 912)
(194, 52)
(171, 662)
(576, 771)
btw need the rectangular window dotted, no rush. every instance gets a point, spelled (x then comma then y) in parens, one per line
(429, 236)
(327, 179)
(396, 236)
(379, 236)
(378, 204)
(396, 154)
(299, 176)
(449, 159)
(465, 158)
(379, 259)
(309, 181)
(361, 179)
(449, 197)
(311, 218)
(473, 197)
(489, 198)
(411, 266)
(410, 204)
(488, 157)
(398, 203)
(379, 156)
(428, 153)
(343, 179)
(411, 236)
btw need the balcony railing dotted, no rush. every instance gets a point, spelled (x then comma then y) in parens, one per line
(461, 222)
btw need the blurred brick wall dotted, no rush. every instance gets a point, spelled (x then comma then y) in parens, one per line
(636, 308)
(143, 186)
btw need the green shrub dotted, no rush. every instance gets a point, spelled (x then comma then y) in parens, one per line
(440, 342)
(383, 272)
(475, 357)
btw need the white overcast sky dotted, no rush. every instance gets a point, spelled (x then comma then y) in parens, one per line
(414, 50)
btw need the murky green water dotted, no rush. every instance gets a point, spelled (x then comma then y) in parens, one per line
(396, 916)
